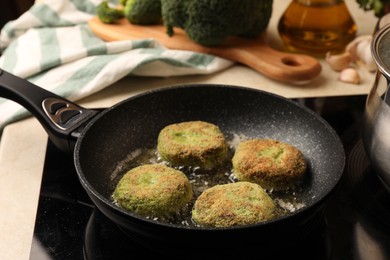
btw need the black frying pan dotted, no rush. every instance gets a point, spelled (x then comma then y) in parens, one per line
(100, 140)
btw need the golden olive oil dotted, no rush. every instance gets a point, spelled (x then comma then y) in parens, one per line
(317, 26)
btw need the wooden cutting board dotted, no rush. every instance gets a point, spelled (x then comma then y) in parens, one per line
(255, 53)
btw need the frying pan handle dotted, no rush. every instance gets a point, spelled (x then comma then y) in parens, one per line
(61, 118)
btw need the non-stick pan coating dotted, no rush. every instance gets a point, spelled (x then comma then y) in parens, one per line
(136, 122)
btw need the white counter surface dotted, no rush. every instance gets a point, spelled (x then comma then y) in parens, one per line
(22, 147)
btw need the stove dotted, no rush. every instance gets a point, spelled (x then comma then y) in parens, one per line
(355, 222)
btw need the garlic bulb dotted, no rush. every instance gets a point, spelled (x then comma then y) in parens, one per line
(360, 50)
(352, 46)
(364, 53)
(349, 75)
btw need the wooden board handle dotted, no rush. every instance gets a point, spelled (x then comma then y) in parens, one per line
(280, 66)
(255, 53)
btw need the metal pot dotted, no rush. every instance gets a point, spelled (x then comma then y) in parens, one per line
(376, 119)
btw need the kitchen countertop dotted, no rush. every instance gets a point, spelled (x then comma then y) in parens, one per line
(22, 145)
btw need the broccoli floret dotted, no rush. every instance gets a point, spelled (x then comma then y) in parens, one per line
(210, 22)
(108, 14)
(143, 12)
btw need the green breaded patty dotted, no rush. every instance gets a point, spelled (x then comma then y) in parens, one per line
(193, 143)
(153, 190)
(270, 163)
(233, 204)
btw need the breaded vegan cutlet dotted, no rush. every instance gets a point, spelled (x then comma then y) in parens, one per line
(233, 204)
(270, 163)
(153, 190)
(192, 143)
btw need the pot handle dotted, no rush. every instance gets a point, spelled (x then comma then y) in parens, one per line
(61, 118)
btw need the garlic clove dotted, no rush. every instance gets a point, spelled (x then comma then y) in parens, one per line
(349, 75)
(338, 62)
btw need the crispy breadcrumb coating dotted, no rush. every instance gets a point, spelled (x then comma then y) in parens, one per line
(192, 143)
(153, 190)
(233, 204)
(270, 163)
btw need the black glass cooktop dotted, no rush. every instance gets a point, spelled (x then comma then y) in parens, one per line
(355, 223)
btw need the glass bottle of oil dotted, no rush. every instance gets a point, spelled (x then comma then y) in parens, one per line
(317, 26)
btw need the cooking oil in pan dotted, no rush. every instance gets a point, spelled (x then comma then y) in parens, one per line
(287, 201)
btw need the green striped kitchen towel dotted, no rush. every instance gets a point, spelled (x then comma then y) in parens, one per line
(51, 46)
